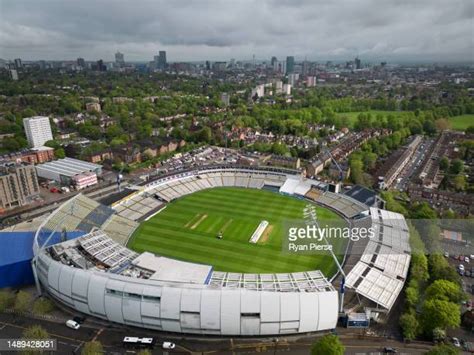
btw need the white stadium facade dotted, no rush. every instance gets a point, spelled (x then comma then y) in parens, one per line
(97, 275)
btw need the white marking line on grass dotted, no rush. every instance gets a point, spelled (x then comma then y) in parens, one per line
(154, 214)
(203, 217)
(190, 222)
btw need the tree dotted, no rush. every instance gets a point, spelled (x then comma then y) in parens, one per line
(457, 166)
(409, 325)
(423, 211)
(460, 182)
(440, 314)
(279, 148)
(419, 265)
(439, 335)
(444, 164)
(22, 301)
(357, 171)
(92, 348)
(412, 295)
(60, 153)
(370, 160)
(34, 332)
(470, 130)
(43, 306)
(328, 345)
(444, 290)
(204, 135)
(443, 349)
(440, 269)
(429, 127)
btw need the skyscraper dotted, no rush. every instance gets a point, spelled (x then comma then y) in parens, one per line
(100, 66)
(18, 64)
(358, 63)
(81, 62)
(273, 61)
(38, 130)
(160, 60)
(290, 64)
(119, 59)
(305, 68)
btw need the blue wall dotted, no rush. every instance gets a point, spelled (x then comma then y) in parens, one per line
(16, 252)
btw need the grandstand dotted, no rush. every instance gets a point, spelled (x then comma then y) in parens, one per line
(81, 213)
(347, 206)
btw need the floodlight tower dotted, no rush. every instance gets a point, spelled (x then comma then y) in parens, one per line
(312, 219)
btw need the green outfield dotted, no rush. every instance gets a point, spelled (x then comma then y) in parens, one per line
(187, 229)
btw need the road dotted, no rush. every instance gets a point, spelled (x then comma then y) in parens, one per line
(409, 171)
(71, 341)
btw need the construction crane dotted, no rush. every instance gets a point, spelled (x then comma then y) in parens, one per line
(341, 174)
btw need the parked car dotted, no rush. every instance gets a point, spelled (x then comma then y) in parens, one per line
(168, 345)
(461, 267)
(456, 342)
(446, 254)
(73, 324)
(53, 190)
(79, 319)
(466, 259)
(388, 350)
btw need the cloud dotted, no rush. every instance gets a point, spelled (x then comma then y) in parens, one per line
(436, 30)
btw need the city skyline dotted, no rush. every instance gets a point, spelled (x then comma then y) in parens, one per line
(430, 31)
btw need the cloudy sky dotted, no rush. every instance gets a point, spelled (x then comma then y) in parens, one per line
(392, 30)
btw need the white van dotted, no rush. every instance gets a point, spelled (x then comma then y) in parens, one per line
(73, 324)
(168, 345)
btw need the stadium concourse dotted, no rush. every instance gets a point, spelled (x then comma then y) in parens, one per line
(98, 275)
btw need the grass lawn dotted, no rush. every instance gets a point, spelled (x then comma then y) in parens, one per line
(187, 229)
(461, 122)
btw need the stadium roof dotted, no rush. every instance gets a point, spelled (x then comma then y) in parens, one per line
(166, 269)
(374, 284)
